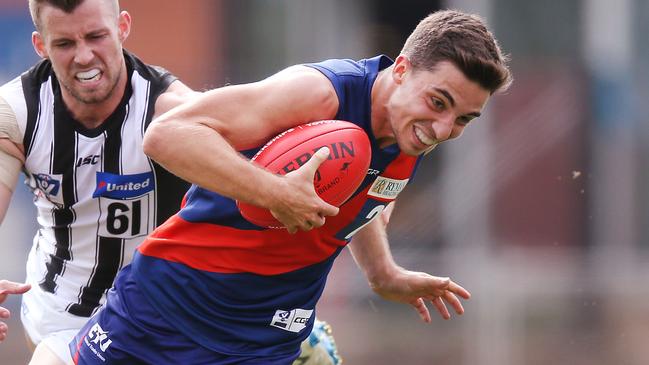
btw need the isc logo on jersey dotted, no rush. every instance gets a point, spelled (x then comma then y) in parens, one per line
(123, 186)
(293, 321)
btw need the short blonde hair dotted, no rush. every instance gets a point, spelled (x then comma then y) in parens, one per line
(67, 6)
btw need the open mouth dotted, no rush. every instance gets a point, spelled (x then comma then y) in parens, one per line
(423, 138)
(89, 76)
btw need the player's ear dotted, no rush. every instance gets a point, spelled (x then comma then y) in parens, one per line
(401, 65)
(39, 44)
(124, 25)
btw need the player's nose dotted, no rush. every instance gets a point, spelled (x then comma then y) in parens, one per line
(83, 54)
(442, 127)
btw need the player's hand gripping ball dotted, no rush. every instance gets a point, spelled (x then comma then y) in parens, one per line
(336, 179)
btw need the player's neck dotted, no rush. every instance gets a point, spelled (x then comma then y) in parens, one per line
(381, 90)
(93, 115)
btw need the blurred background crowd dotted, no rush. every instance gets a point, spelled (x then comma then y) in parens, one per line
(541, 209)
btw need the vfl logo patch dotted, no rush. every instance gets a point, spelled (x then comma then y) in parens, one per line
(123, 186)
(48, 187)
(293, 321)
(387, 188)
(46, 183)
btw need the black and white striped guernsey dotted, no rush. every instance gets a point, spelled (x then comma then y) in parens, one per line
(96, 193)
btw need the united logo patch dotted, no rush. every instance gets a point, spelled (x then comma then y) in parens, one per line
(123, 186)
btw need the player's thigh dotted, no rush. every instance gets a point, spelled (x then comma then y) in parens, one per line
(54, 349)
(43, 355)
(30, 344)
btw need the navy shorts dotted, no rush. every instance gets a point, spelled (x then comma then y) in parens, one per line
(115, 336)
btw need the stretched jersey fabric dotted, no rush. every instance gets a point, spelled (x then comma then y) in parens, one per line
(238, 288)
(97, 195)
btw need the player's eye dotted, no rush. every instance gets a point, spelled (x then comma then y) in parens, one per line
(63, 44)
(464, 120)
(97, 36)
(438, 103)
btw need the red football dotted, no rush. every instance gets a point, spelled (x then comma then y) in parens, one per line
(335, 180)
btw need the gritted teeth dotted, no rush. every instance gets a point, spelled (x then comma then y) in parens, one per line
(89, 75)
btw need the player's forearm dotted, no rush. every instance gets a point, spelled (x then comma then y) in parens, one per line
(209, 161)
(371, 251)
(9, 171)
(5, 198)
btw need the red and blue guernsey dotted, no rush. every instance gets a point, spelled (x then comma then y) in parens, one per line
(245, 293)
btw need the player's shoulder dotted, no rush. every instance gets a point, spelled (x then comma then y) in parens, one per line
(11, 92)
(151, 72)
(176, 94)
(350, 67)
(167, 90)
(13, 110)
(308, 87)
(340, 66)
(31, 78)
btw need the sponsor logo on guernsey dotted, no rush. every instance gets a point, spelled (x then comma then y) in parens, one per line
(123, 186)
(88, 160)
(293, 321)
(97, 341)
(387, 188)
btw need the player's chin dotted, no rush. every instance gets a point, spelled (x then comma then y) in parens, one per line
(413, 150)
(409, 148)
(415, 147)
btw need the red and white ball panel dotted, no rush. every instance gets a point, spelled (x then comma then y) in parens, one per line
(336, 179)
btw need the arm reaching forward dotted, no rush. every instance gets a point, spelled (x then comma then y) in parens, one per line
(371, 251)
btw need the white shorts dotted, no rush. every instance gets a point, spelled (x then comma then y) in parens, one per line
(43, 314)
(45, 324)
